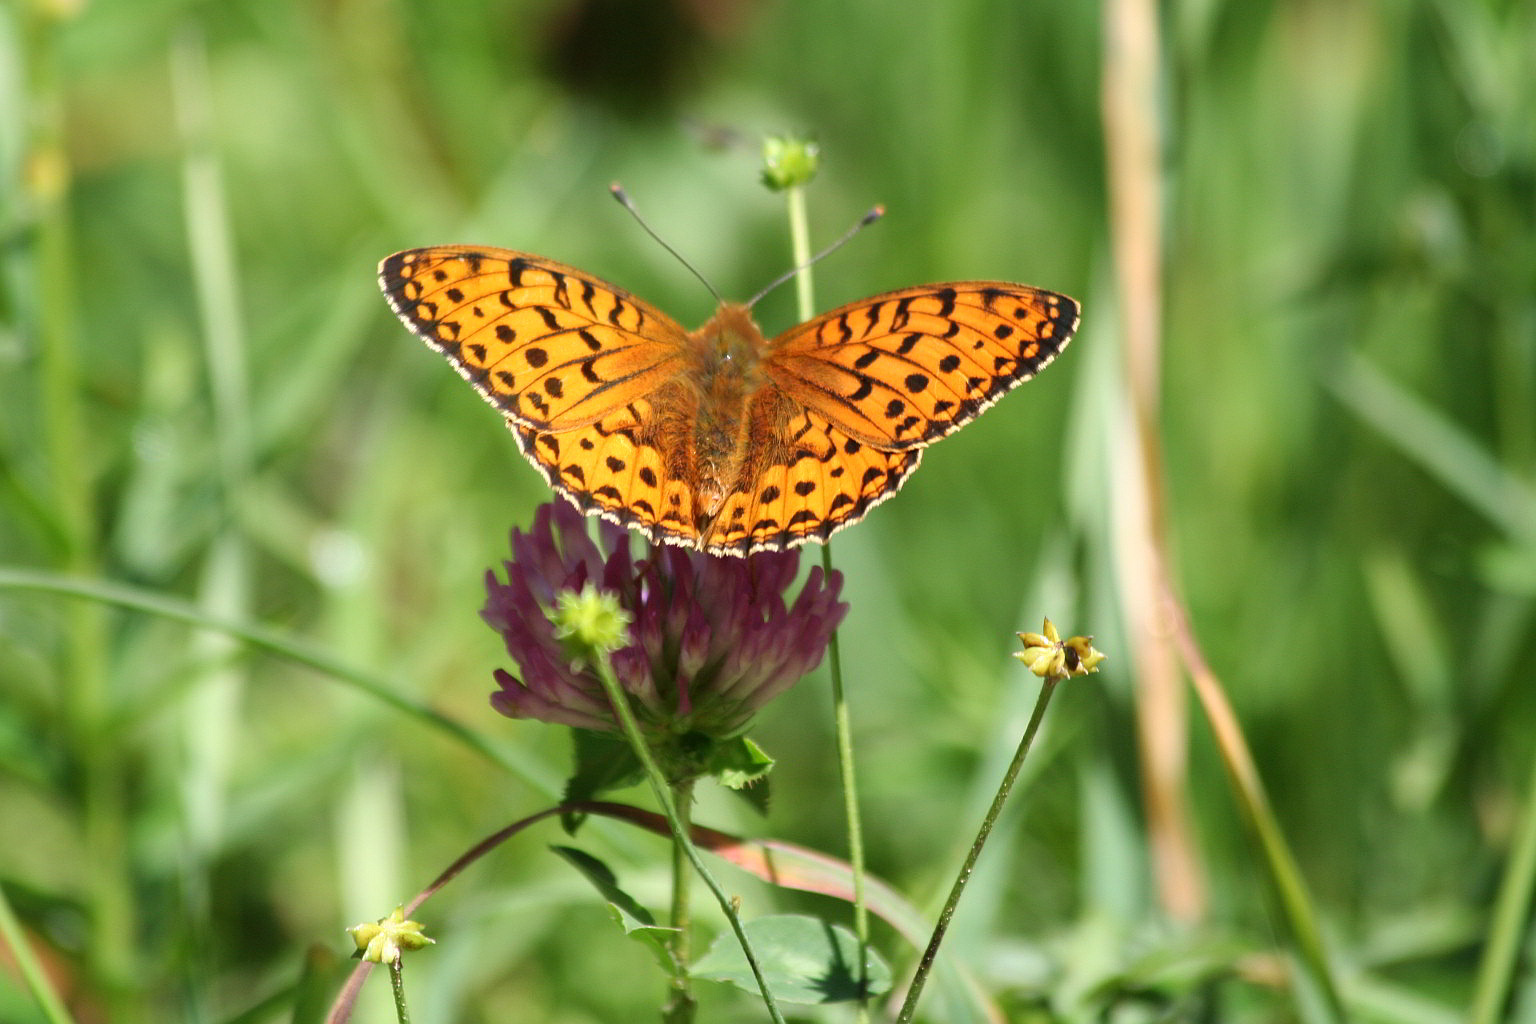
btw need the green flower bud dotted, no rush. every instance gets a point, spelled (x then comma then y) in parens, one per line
(789, 161)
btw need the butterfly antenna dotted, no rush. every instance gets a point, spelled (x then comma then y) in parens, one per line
(624, 201)
(864, 222)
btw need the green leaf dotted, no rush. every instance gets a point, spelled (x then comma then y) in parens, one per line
(638, 923)
(1454, 457)
(603, 762)
(804, 959)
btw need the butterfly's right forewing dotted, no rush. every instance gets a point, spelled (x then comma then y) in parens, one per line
(554, 349)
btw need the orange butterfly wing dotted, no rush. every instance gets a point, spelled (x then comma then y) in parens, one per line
(803, 479)
(549, 346)
(605, 394)
(903, 369)
(857, 393)
(573, 363)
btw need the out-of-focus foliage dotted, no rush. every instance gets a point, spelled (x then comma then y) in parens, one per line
(203, 395)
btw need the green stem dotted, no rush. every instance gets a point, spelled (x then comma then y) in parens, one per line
(272, 642)
(94, 750)
(211, 715)
(1316, 988)
(397, 985)
(800, 243)
(680, 832)
(800, 240)
(680, 1009)
(37, 980)
(1509, 915)
(843, 727)
(925, 966)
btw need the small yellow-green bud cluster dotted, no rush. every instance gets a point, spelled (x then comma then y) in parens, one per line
(384, 940)
(1050, 657)
(590, 621)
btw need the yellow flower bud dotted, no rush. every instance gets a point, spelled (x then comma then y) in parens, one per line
(1050, 657)
(385, 940)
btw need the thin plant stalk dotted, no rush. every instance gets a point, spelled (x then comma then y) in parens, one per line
(1315, 977)
(397, 986)
(800, 240)
(1510, 912)
(680, 833)
(1133, 159)
(925, 965)
(94, 750)
(1131, 118)
(272, 642)
(211, 712)
(37, 981)
(800, 251)
(681, 1007)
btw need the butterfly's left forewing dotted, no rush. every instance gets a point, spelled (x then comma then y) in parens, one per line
(906, 368)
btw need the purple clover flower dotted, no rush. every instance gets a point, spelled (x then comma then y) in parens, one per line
(711, 639)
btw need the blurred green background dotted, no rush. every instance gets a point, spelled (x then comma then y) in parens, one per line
(203, 395)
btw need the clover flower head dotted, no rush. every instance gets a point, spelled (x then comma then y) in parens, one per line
(710, 640)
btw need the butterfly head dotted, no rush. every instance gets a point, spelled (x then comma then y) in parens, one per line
(731, 336)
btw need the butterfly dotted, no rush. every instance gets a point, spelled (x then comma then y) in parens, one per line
(720, 439)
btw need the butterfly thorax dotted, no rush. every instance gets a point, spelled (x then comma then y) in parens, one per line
(726, 351)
